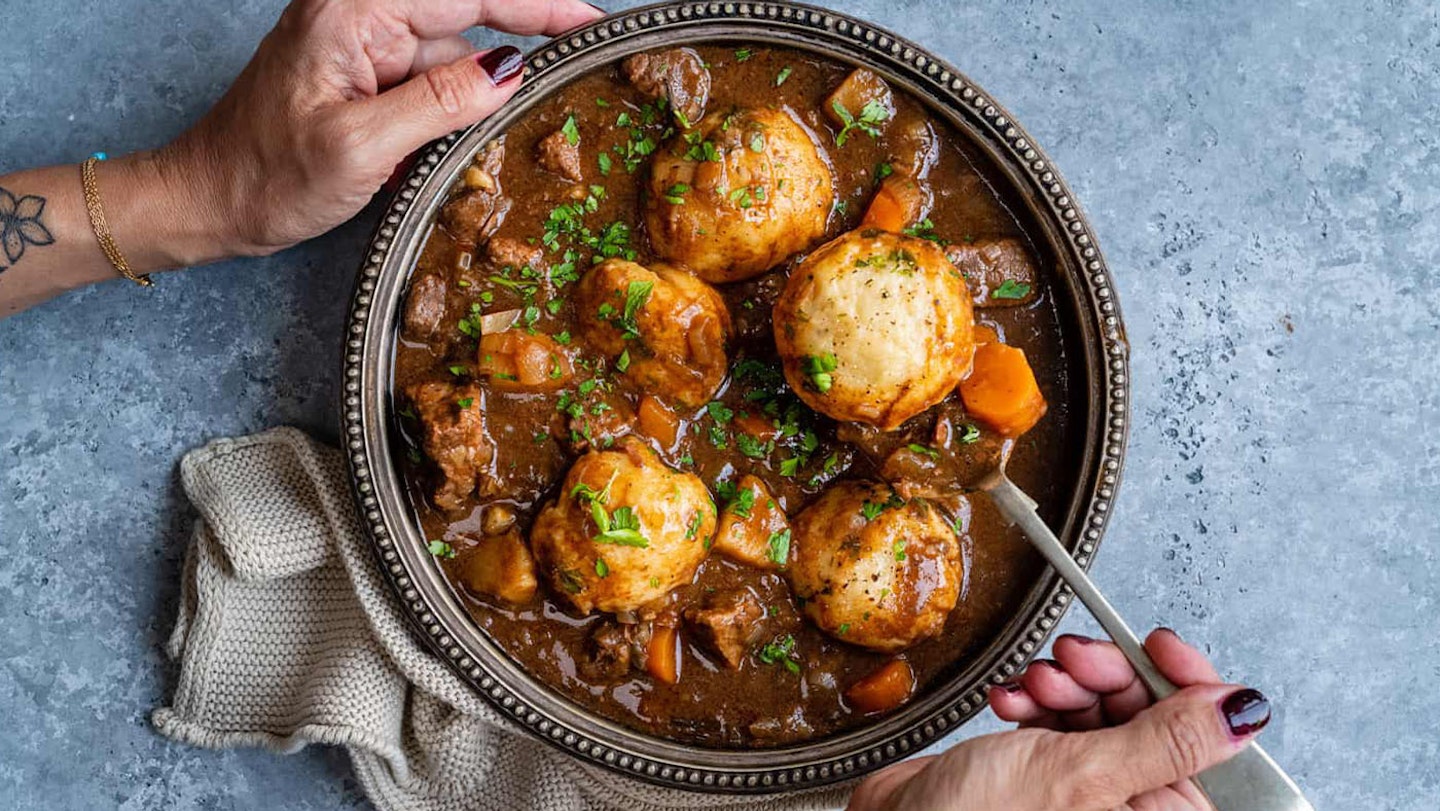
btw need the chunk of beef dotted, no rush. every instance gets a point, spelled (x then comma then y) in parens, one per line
(556, 154)
(454, 438)
(509, 252)
(472, 216)
(596, 423)
(424, 306)
(989, 264)
(678, 75)
(728, 625)
(616, 649)
(480, 206)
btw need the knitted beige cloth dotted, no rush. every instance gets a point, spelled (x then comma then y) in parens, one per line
(287, 636)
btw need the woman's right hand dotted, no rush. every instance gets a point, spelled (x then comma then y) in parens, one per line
(1091, 739)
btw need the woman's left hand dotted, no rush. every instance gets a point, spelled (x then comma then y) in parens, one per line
(1091, 739)
(335, 97)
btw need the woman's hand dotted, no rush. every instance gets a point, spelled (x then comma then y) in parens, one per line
(1091, 739)
(338, 95)
(334, 99)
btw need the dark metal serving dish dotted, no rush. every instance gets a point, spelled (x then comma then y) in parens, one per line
(1094, 346)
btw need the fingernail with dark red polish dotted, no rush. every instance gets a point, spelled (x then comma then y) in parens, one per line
(1246, 712)
(1170, 631)
(1050, 663)
(1076, 638)
(1008, 687)
(502, 64)
(597, 8)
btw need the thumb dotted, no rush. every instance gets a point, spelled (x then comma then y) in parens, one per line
(440, 100)
(1170, 741)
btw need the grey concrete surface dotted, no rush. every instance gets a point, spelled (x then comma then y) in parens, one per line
(1264, 178)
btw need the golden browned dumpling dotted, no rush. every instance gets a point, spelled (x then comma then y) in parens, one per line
(664, 330)
(623, 531)
(875, 327)
(737, 194)
(874, 570)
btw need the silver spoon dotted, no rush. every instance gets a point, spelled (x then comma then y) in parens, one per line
(1249, 781)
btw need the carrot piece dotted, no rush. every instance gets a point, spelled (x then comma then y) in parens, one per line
(885, 212)
(886, 688)
(985, 334)
(657, 421)
(898, 203)
(762, 428)
(662, 656)
(1001, 390)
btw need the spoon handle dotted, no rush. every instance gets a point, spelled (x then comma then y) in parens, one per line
(1250, 780)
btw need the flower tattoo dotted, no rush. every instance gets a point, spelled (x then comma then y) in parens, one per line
(20, 225)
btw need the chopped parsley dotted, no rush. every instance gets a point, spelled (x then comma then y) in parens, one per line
(572, 132)
(818, 368)
(899, 549)
(883, 170)
(925, 229)
(743, 54)
(622, 527)
(459, 371)
(635, 297)
(622, 363)
(789, 467)
(440, 549)
(719, 412)
(779, 543)
(601, 567)
(605, 163)
(783, 75)
(923, 450)
(781, 652)
(871, 510)
(752, 447)
(466, 402)
(740, 502)
(871, 116)
(843, 629)
(970, 434)
(694, 528)
(1011, 289)
(675, 195)
(700, 149)
(757, 142)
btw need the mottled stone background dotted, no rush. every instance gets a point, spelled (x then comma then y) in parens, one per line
(1264, 178)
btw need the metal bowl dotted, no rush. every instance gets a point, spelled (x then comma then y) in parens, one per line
(1094, 339)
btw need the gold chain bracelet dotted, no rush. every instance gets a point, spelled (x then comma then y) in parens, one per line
(101, 227)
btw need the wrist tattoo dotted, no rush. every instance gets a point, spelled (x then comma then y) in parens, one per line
(20, 226)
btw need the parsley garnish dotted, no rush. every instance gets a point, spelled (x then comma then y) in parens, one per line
(622, 363)
(781, 651)
(605, 163)
(675, 195)
(871, 116)
(871, 510)
(742, 54)
(883, 170)
(635, 297)
(899, 548)
(970, 434)
(817, 369)
(924, 450)
(719, 412)
(1011, 289)
(601, 567)
(622, 527)
(925, 229)
(440, 549)
(572, 132)
(784, 74)
(779, 543)
(752, 447)
(465, 403)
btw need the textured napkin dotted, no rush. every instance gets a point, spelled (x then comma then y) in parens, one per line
(287, 636)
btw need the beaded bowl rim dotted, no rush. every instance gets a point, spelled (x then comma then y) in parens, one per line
(414, 579)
